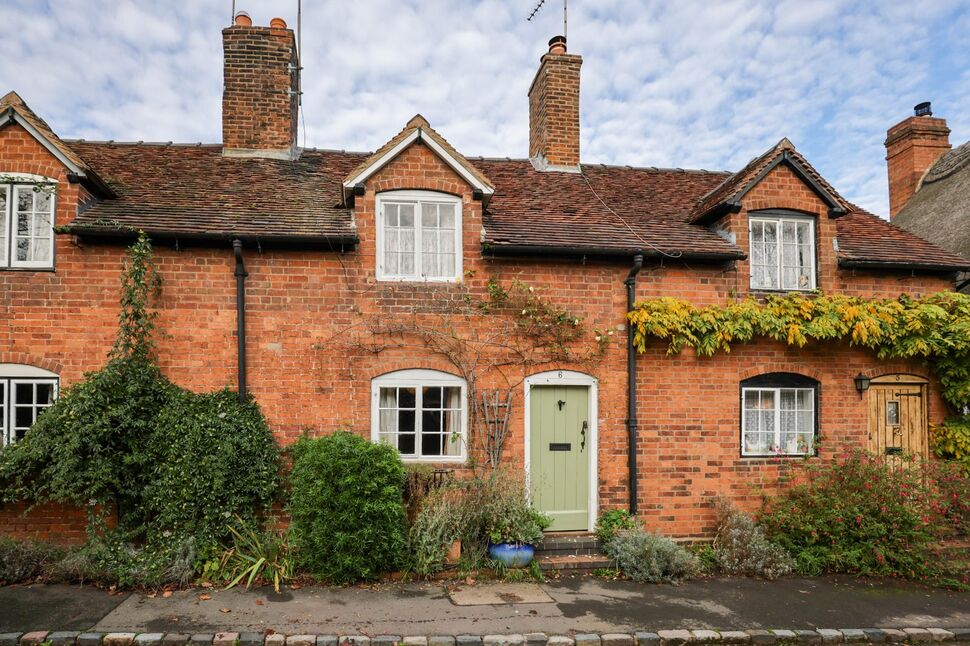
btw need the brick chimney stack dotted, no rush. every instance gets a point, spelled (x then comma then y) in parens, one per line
(912, 146)
(554, 110)
(260, 96)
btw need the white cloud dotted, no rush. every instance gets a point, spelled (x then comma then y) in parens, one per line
(692, 83)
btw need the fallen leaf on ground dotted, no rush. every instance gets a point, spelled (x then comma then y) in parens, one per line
(166, 594)
(205, 597)
(224, 610)
(259, 602)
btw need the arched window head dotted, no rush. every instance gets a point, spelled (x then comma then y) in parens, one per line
(779, 415)
(421, 413)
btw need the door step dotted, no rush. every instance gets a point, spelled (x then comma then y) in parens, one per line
(574, 551)
(573, 563)
(566, 543)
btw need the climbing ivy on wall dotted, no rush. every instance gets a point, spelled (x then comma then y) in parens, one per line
(934, 328)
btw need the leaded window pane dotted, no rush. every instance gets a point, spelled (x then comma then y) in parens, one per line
(782, 254)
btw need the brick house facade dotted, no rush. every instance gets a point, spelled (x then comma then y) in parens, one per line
(342, 313)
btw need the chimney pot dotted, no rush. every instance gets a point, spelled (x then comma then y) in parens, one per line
(277, 23)
(923, 109)
(557, 45)
(243, 20)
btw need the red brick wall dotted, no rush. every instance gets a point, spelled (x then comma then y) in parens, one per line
(912, 146)
(261, 79)
(312, 354)
(554, 110)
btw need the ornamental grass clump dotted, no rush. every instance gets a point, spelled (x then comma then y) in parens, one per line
(742, 549)
(649, 558)
(860, 514)
(347, 507)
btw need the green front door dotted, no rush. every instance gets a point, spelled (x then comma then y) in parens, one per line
(559, 454)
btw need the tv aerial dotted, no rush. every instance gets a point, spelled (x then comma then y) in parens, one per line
(538, 8)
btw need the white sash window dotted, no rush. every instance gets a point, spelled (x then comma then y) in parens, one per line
(418, 236)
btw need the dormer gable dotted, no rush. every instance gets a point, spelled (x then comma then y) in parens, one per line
(417, 130)
(727, 197)
(14, 111)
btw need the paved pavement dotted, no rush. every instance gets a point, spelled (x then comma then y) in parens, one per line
(578, 605)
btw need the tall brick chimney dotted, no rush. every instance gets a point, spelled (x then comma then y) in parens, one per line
(554, 110)
(912, 145)
(260, 96)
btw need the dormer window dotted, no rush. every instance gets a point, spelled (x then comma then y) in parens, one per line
(418, 236)
(26, 225)
(782, 251)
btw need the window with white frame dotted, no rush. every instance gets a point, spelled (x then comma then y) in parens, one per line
(778, 415)
(782, 251)
(26, 224)
(418, 236)
(25, 392)
(421, 413)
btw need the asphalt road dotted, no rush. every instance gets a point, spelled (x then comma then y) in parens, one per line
(578, 605)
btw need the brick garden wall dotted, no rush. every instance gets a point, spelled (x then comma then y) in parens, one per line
(312, 354)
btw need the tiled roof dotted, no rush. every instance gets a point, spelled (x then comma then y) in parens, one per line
(734, 187)
(866, 239)
(194, 190)
(606, 208)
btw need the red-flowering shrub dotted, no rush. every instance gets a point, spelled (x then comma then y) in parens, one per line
(864, 515)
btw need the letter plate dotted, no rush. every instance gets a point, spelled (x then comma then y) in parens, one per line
(560, 446)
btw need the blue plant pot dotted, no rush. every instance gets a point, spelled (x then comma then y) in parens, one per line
(511, 554)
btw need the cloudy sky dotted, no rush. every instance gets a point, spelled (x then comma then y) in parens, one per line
(682, 83)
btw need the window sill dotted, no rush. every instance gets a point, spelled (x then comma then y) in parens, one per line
(807, 290)
(784, 456)
(48, 270)
(432, 460)
(418, 280)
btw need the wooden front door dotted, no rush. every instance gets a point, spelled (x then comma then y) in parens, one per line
(559, 455)
(898, 417)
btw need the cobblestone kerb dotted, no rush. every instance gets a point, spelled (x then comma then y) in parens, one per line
(881, 635)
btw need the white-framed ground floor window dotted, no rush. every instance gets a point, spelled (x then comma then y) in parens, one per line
(421, 413)
(25, 392)
(779, 415)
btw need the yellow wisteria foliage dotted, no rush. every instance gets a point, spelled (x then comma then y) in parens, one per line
(934, 328)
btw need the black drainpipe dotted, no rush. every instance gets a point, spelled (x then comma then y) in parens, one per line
(240, 275)
(631, 369)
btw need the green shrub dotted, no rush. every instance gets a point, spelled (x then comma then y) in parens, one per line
(951, 441)
(214, 458)
(648, 558)
(741, 547)
(346, 507)
(858, 515)
(613, 521)
(26, 560)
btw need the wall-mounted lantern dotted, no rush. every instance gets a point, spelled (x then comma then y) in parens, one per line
(862, 383)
